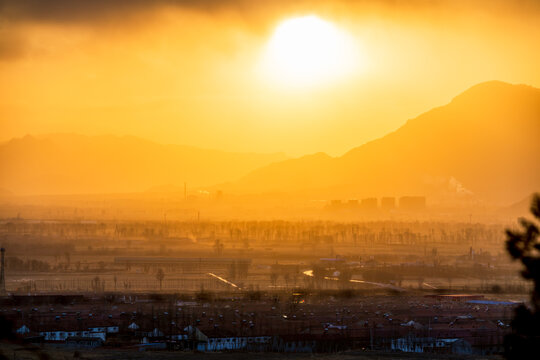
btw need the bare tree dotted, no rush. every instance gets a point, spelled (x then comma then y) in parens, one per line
(160, 275)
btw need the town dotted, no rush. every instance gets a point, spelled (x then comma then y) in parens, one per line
(398, 287)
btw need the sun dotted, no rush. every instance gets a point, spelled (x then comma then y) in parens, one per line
(306, 51)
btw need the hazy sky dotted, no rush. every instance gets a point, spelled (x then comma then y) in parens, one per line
(189, 72)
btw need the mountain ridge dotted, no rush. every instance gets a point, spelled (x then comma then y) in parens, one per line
(64, 163)
(491, 126)
(480, 146)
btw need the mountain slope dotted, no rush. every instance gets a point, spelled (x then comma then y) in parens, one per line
(70, 163)
(486, 142)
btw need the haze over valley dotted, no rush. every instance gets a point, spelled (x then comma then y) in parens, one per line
(237, 179)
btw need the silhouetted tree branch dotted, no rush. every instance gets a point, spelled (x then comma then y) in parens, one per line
(524, 245)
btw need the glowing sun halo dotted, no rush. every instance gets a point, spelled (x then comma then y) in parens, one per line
(308, 50)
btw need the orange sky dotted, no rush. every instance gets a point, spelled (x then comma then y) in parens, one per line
(185, 73)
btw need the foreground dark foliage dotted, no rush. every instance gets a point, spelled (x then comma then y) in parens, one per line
(524, 245)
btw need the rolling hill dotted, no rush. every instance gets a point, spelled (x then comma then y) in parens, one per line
(77, 164)
(484, 144)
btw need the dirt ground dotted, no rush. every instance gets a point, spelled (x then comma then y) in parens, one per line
(19, 352)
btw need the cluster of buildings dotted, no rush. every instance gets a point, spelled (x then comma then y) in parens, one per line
(404, 203)
(299, 322)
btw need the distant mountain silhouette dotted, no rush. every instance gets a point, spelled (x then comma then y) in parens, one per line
(484, 144)
(71, 163)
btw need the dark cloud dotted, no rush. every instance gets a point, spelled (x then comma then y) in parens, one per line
(12, 46)
(89, 10)
(256, 14)
(81, 10)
